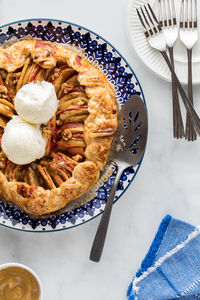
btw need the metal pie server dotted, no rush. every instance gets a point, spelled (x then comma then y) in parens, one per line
(127, 150)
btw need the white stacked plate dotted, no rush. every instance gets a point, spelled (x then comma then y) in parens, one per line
(152, 59)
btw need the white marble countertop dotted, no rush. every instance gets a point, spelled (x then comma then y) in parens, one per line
(167, 182)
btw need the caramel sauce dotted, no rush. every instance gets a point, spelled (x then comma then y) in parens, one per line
(18, 284)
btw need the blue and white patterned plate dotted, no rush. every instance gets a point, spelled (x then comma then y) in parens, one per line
(121, 77)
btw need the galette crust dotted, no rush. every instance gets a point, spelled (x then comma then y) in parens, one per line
(99, 126)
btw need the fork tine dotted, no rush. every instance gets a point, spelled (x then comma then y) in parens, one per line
(185, 3)
(182, 14)
(160, 14)
(187, 14)
(152, 18)
(169, 13)
(151, 10)
(190, 14)
(164, 13)
(151, 30)
(148, 20)
(195, 13)
(147, 29)
(145, 18)
(141, 20)
(143, 24)
(148, 15)
(173, 12)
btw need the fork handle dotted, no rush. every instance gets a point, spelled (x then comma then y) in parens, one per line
(178, 128)
(190, 132)
(99, 240)
(188, 105)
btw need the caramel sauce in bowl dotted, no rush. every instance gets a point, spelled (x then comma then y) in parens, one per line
(19, 282)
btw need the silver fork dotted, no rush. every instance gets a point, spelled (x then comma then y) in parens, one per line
(189, 35)
(156, 39)
(167, 20)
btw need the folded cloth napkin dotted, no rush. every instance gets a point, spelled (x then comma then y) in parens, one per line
(171, 268)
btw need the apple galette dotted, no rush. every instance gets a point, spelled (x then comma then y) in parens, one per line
(77, 137)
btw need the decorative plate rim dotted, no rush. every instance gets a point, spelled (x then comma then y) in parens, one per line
(142, 95)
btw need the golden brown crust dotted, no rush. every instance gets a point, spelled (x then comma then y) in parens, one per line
(38, 201)
(98, 131)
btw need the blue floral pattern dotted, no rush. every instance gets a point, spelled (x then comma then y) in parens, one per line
(97, 50)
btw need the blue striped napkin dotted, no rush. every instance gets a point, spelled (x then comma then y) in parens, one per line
(171, 268)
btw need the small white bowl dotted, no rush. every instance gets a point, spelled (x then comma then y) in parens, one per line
(4, 266)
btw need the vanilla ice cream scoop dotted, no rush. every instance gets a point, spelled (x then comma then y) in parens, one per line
(36, 102)
(22, 142)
